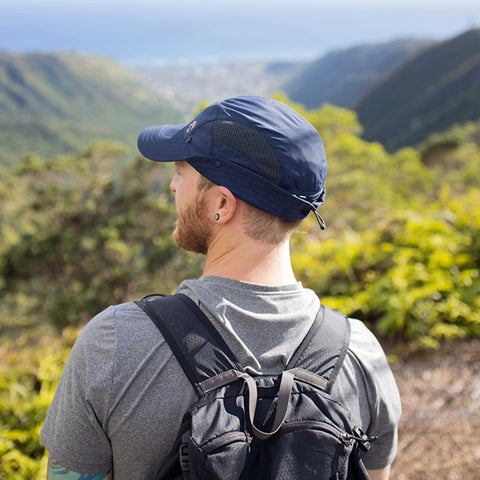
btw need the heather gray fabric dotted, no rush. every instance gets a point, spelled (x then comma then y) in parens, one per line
(123, 394)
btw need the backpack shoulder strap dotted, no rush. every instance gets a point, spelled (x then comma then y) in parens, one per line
(197, 345)
(203, 354)
(323, 349)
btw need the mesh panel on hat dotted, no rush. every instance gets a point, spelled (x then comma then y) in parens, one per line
(252, 143)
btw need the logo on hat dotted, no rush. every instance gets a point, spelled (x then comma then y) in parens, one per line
(191, 126)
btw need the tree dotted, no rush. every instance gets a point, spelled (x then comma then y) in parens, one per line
(81, 232)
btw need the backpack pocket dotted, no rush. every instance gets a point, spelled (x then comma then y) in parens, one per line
(303, 450)
(221, 458)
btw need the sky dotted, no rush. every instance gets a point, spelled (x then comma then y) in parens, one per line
(182, 32)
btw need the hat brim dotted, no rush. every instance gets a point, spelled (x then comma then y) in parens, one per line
(163, 143)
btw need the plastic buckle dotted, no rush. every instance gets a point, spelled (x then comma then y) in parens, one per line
(363, 439)
(184, 457)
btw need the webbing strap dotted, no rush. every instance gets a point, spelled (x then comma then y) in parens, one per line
(198, 347)
(323, 349)
(310, 377)
(208, 361)
(284, 392)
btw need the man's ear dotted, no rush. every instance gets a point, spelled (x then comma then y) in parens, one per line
(225, 204)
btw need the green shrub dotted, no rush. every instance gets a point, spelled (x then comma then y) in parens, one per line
(28, 378)
(415, 276)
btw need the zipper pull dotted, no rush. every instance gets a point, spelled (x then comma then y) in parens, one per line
(362, 438)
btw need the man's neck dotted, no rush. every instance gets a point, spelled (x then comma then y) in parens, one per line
(252, 262)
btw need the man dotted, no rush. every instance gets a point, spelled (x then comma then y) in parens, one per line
(248, 170)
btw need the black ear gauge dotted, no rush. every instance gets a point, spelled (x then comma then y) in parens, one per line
(217, 217)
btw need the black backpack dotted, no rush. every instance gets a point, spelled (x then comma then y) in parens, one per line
(246, 426)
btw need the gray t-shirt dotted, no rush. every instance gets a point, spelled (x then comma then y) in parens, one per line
(122, 396)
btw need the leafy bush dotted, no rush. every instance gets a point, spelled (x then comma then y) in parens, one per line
(415, 276)
(28, 378)
(80, 232)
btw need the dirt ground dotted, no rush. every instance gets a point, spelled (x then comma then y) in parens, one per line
(439, 434)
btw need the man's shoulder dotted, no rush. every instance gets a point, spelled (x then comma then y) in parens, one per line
(366, 354)
(362, 340)
(368, 358)
(113, 322)
(128, 311)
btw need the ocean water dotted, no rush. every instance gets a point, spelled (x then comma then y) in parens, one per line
(165, 32)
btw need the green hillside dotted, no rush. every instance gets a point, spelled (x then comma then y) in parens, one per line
(430, 93)
(56, 103)
(401, 252)
(343, 76)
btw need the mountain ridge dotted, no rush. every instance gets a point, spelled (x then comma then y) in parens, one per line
(342, 77)
(54, 103)
(428, 94)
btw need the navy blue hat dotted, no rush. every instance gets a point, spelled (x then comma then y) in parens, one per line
(260, 149)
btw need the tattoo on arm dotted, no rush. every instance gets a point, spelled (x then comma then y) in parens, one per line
(57, 472)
